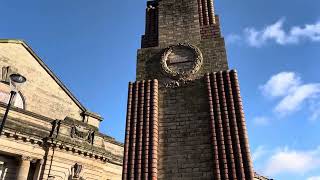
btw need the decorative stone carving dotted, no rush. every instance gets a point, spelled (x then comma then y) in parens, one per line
(5, 72)
(51, 178)
(90, 137)
(76, 170)
(181, 61)
(55, 128)
(82, 133)
(26, 158)
(175, 84)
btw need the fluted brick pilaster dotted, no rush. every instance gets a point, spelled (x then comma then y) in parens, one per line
(127, 133)
(141, 148)
(234, 128)
(139, 131)
(216, 167)
(228, 127)
(219, 126)
(204, 5)
(200, 12)
(133, 132)
(154, 130)
(242, 126)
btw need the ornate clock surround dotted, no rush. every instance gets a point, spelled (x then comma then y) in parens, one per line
(181, 61)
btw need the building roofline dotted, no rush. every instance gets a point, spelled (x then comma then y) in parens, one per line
(48, 70)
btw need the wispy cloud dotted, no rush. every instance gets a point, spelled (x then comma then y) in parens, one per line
(293, 94)
(261, 121)
(294, 100)
(233, 38)
(294, 162)
(276, 33)
(258, 153)
(314, 178)
(315, 109)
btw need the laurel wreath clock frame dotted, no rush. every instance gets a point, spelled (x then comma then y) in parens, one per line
(185, 74)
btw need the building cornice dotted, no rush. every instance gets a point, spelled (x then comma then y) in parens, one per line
(67, 121)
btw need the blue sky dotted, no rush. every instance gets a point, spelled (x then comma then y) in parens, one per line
(274, 45)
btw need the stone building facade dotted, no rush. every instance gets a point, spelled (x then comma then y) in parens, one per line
(185, 117)
(49, 134)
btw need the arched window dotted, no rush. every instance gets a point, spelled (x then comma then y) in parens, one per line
(5, 95)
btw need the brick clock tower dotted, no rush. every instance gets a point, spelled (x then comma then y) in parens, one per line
(185, 117)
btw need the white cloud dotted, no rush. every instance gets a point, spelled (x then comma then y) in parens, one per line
(295, 99)
(233, 38)
(287, 161)
(315, 109)
(258, 153)
(276, 32)
(314, 178)
(261, 121)
(280, 84)
(293, 93)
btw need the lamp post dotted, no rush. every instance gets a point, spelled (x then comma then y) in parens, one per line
(16, 80)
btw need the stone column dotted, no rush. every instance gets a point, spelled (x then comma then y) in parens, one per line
(38, 170)
(24, 168)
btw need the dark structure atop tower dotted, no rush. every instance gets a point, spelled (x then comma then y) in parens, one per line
(185, 117)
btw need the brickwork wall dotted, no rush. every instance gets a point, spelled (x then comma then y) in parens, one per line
(178, 22)
(184, 141)
(150, 39)
(214, 59)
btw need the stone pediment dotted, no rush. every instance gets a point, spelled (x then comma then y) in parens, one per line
(45, 94)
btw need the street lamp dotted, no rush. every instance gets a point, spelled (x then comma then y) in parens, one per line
(16, 81)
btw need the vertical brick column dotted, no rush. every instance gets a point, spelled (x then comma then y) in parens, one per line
(229, 134)
(127, 133)
(215, 147)
(139, 131)
(141, 142)
(146, 133)
(234, 128)
(226, 127)
(133, 131)
(248, 167)
(154, 131)
(204, 5)
(200, 12)
(219, 126)
(211, 12)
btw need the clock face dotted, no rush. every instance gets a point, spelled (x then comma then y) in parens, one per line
(182, 60)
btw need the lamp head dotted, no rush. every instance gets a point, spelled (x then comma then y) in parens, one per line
(16, 81)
